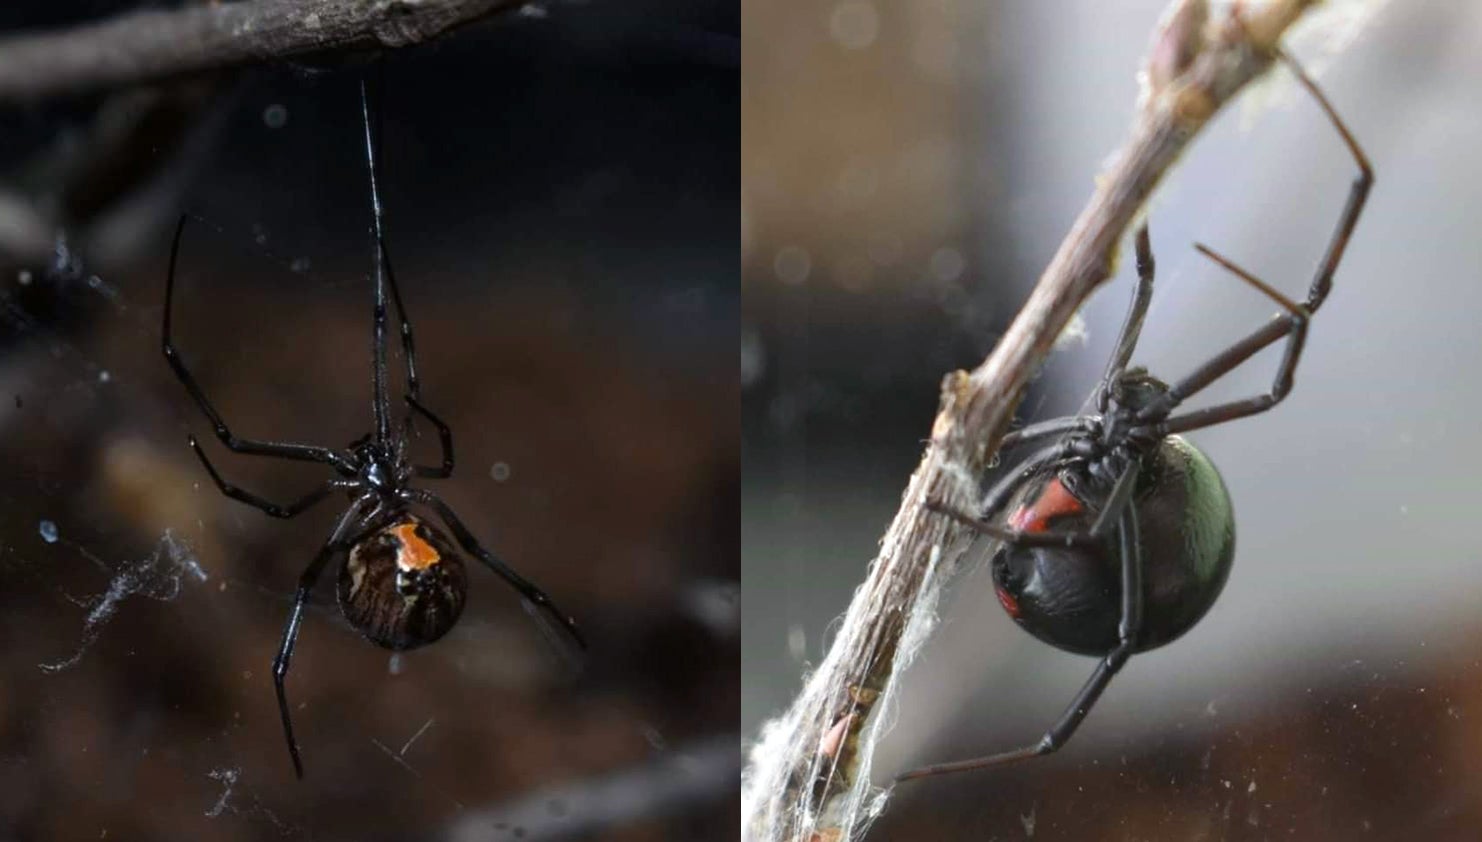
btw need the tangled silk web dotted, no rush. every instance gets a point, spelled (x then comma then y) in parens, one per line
(158, 577)
(770, 808)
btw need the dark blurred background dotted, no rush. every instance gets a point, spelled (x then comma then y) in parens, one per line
(907, 172)
(561, 188)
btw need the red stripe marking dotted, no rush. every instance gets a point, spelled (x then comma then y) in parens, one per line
(1054, 501)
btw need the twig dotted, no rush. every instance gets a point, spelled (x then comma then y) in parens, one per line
(153, 45)
(808, 779)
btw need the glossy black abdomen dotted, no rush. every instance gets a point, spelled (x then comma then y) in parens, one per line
(1071, 597)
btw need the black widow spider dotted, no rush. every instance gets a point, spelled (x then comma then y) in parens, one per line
(403, 583)
(1120, 536)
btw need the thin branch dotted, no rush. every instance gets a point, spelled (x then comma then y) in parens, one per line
(808, 779)
(153, 45)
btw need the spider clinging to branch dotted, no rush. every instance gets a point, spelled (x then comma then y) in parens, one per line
(1118, 537)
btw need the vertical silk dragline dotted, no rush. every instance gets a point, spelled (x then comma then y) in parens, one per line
(402, 583)
(1118, 538)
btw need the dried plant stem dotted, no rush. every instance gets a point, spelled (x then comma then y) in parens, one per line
(808, 776)
(152, 45)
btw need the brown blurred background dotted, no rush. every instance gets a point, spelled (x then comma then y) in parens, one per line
(560, 190)
(907, 171)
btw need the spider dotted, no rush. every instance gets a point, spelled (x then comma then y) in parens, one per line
(1120, 536)
(402, 583)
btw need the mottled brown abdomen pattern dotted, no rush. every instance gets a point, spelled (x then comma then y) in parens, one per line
(404, 585)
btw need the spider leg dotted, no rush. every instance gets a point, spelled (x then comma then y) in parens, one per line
(1041, 459)
(282, 450)
(1358, 192)
(444, 435)
(336, 542)
(383, 254)
(267, 506)
(1111, 663)
(532, 594)
(1293, 323)
(408, 343)
(1045, 429)
(1110, 515)
(409, 354)
(1142, 294)
(1014, 536)
(414, 387)
(1291, 326)
(380, 403)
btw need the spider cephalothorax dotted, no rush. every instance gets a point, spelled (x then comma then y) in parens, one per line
(377, 469)
(403, 582)
(1118, 537)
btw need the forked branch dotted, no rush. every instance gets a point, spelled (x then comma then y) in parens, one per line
(808, 778)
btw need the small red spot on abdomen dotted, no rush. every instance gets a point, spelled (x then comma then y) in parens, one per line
(1008, 602)
(1054, 500)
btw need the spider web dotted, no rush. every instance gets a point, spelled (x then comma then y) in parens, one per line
(158, 577)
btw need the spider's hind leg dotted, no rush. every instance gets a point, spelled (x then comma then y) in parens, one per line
(1108, 667)
(561, 622)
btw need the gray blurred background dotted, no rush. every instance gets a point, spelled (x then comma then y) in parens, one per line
(907, 170)
(561, 189)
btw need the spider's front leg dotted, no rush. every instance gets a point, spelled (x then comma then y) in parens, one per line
(263, 504)
(1142, 296)
(252, 447)
(408, 342)
(445, 437)
(1291, 324)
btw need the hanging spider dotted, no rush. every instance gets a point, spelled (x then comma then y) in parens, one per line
(402, 583)
(1120, 536)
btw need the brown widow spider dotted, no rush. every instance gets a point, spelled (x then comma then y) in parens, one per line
(1119, 538)
(402, 584)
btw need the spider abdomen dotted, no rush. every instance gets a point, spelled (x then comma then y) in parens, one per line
(1070, 597)
(403, 585)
